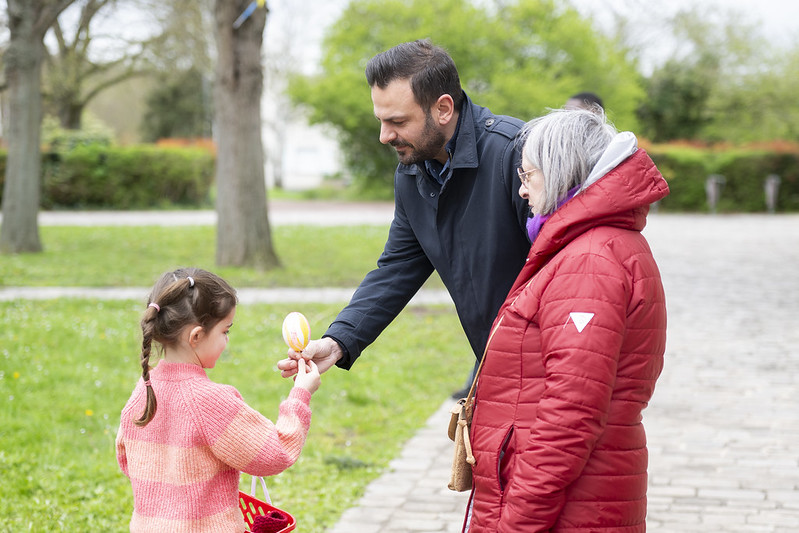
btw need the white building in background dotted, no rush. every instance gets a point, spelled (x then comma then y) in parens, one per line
(302, 154)
(311, 155)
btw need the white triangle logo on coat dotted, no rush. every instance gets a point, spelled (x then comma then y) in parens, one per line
(580, 320)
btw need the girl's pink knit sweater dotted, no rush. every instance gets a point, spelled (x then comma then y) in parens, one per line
(184, 465)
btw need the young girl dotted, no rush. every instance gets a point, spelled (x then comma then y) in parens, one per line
(183, 439)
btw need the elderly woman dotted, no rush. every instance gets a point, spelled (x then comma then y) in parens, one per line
(578, 344)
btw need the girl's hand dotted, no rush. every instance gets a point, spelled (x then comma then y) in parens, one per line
(308, 376)
(325, 353)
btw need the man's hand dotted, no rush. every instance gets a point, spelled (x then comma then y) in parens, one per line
(324, 352)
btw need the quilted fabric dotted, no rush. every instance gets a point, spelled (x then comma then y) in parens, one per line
(578, 346)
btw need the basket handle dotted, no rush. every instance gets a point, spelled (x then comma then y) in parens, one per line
(267, 499)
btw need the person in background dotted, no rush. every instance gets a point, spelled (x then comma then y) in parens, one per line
(586, 100)
(456, 208)
(183, 439)
(578, 344)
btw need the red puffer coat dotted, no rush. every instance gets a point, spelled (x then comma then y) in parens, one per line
(577, 348)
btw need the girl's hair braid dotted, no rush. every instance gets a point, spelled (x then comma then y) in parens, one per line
(147, 326)
(187, 296)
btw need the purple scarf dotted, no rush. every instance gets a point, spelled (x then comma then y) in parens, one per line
(535, 222)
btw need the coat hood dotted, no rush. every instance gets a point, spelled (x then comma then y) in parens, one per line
(620, 198)
(622, 146)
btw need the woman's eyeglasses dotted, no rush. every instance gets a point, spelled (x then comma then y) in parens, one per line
(524, 175)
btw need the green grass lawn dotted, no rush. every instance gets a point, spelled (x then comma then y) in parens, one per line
(136, 256)
(68, 366)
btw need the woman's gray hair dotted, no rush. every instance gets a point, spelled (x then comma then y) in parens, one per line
(565, 145)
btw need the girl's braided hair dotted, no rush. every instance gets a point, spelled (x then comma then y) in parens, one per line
(186, 296)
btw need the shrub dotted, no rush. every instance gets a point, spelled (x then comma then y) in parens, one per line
(744, 170)
(58, 139)
(148, 176)
(136, 177)
(746, 173)
(685, 170)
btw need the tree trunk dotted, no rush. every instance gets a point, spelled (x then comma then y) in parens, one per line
(23, 61)
(243, 234)
(70, 115)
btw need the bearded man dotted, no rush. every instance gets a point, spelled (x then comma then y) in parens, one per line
(457, 207)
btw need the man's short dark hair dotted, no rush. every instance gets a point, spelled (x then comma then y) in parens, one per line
(588, 98)
(431, 70)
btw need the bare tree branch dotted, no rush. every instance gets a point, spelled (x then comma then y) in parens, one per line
(47, 13)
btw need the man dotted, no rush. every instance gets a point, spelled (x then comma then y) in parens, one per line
(456, 205)
(586, 100)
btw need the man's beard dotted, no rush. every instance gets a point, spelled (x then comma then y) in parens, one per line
(431, 139)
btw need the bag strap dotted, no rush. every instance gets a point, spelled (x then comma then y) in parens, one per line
(482, 360)
(467, 443)
(267, 499)
(488, 343)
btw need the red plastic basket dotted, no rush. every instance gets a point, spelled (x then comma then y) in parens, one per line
(251, 507)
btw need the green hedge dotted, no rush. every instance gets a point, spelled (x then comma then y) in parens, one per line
(135, 177)
(140, 177)
(745, 174)
(685, 171)
(744, 171)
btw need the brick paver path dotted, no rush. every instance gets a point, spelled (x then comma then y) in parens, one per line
(723, 426)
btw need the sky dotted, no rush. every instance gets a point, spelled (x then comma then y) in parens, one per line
(778, 18)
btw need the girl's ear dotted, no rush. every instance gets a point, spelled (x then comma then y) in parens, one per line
(195, 335)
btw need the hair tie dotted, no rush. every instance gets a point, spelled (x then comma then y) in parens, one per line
(157, 307)
(191, 281)
(148, 384)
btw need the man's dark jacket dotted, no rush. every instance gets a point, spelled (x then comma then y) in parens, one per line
(472, 231)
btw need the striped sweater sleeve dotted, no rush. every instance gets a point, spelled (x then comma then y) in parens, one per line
(122, 458)
(244, 439)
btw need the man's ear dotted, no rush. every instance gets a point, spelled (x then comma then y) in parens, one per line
(444, 109)
(196, 335)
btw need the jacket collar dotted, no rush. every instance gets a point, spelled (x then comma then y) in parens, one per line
(465, 155)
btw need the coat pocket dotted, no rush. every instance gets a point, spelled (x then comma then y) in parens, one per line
(505, 459)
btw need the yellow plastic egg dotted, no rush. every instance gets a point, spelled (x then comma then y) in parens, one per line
(296, 331)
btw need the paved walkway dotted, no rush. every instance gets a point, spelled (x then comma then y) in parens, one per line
(723, 425)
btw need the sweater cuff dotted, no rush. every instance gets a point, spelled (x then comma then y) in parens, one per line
(300, 394)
